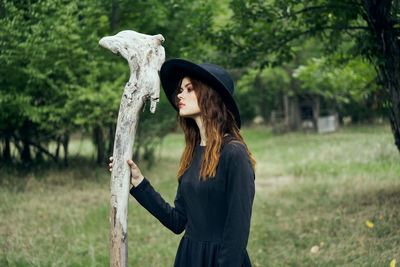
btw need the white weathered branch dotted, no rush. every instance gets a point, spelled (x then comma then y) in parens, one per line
(145, 56)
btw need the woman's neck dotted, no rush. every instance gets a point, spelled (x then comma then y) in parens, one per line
(204, 143)
(203, 136)
(202, 130)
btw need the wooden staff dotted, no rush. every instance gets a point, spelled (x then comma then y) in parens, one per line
(145, 56)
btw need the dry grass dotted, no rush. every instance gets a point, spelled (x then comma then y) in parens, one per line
(312, 190)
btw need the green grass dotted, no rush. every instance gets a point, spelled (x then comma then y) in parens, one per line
(311, 190)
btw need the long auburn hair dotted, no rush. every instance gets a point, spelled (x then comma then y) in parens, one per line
(217, 120)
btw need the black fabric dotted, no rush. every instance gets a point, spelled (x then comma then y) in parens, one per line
(215, 213)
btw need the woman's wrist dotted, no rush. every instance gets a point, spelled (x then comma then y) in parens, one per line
(136, 182)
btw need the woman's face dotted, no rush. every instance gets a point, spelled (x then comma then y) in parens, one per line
(188, 106)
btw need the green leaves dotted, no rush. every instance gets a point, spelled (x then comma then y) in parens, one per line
(47, 48)
(352, 80)
(265, 32)
(55, 79)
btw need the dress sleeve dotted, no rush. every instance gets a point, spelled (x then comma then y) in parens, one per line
(240, 192)
(174, 218)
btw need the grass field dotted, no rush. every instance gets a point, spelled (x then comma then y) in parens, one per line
(321, 200)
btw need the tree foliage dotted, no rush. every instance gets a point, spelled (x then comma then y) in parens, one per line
(56, 80)
(260, 91)
(352, 80)
(262, 33)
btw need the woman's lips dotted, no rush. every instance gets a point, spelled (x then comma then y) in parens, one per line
(181, 105)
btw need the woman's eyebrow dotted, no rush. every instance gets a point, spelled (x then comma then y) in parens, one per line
(186, 85)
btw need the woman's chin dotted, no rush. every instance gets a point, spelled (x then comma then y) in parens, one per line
(188, 114)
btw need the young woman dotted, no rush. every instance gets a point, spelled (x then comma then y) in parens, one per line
(215, 193)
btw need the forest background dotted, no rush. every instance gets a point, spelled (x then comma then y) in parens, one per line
(58, 88)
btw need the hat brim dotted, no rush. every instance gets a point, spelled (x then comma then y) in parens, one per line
(173, 70)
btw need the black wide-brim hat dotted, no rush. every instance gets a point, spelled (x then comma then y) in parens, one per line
(173, 70)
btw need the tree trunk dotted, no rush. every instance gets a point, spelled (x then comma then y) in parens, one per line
(7, 150)
(39, 155)
(111, 131)
(65, 145)
(58, 148)
(286, 110)
(263, 96)
(114, 15)
(294, 113)
(380, 21)
(99, 142)
(26, 152)
(316, 111)
(145, 56)
(294, 109)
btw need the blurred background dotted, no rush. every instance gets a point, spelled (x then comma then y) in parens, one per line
(317, 85)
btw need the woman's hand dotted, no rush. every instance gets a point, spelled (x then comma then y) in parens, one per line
(136, 175)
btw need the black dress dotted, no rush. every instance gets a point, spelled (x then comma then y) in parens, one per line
(215, 213)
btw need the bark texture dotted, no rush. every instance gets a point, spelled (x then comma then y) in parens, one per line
(380, 16)
(145, 56)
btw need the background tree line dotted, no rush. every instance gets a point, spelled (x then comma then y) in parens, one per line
(56, 81)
